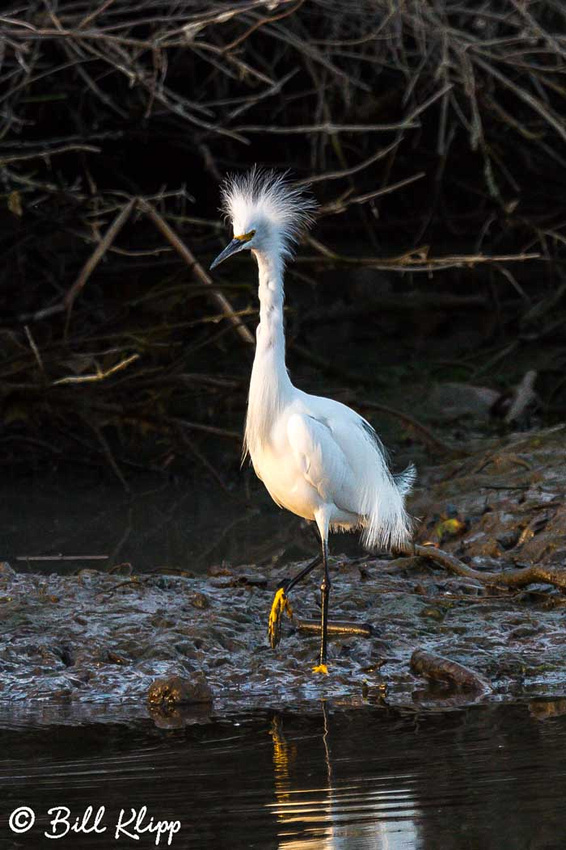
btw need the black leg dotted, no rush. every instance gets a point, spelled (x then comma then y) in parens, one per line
(289, 584)
(325, 595)
(281, 605)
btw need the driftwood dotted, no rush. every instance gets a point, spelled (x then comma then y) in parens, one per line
(512, 579)
(440, 669)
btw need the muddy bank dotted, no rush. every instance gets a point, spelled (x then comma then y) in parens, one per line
(94, 639)
(504, 504)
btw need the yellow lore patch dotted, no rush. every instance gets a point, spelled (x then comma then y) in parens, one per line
(246, 236)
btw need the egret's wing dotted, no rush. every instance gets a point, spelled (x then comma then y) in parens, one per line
(320, 458)
(370, 491)
(340, 455)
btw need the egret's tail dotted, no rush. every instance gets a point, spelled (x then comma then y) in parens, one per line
(388, 525)
(405, 480)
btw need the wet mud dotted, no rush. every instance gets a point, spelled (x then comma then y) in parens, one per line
(93, 640)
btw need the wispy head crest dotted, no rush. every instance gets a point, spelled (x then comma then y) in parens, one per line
(264, 196)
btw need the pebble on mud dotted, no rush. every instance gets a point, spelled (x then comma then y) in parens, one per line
(199, 600)
(177, 690)
(433, 613)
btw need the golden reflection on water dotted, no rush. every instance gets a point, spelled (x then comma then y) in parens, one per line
(283, 755)
(330, 815)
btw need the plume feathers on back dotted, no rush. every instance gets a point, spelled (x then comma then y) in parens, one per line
(262, 198)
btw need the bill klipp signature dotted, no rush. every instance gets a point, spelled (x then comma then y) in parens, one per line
(129, 823)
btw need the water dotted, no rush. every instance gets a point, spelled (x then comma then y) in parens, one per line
(484, 777)
(186, 525)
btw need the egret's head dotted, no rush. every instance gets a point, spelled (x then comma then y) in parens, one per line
(266, 211)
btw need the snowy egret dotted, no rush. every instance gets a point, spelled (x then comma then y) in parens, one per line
(316, 456)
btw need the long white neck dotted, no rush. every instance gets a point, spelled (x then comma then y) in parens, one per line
(270, 385)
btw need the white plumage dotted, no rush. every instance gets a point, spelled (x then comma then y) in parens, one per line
(316, 456)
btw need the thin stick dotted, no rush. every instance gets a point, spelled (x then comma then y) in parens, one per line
(341, 204)
(34, 348)
(206, 463)
(62, 557)
(207, 429)
(415, 261)
(196, 267)
(98, 376)
(20, 157)
(96, 257)
(527, 98)
(328, 127)
(90, 17)
(428, 437)
(107, 452)
(347, 172)
(259, 24)
(41, 314)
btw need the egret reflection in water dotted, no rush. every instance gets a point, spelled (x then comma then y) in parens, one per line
(337, 814)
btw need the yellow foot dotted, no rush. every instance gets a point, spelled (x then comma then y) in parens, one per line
(320, 668)
(279, 606)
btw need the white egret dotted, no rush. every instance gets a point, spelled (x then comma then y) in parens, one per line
(316, 456)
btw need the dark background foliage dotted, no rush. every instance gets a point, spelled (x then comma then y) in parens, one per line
(432, 134)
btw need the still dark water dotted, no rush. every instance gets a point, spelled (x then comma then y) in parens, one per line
(63, 524)
(485, 777)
